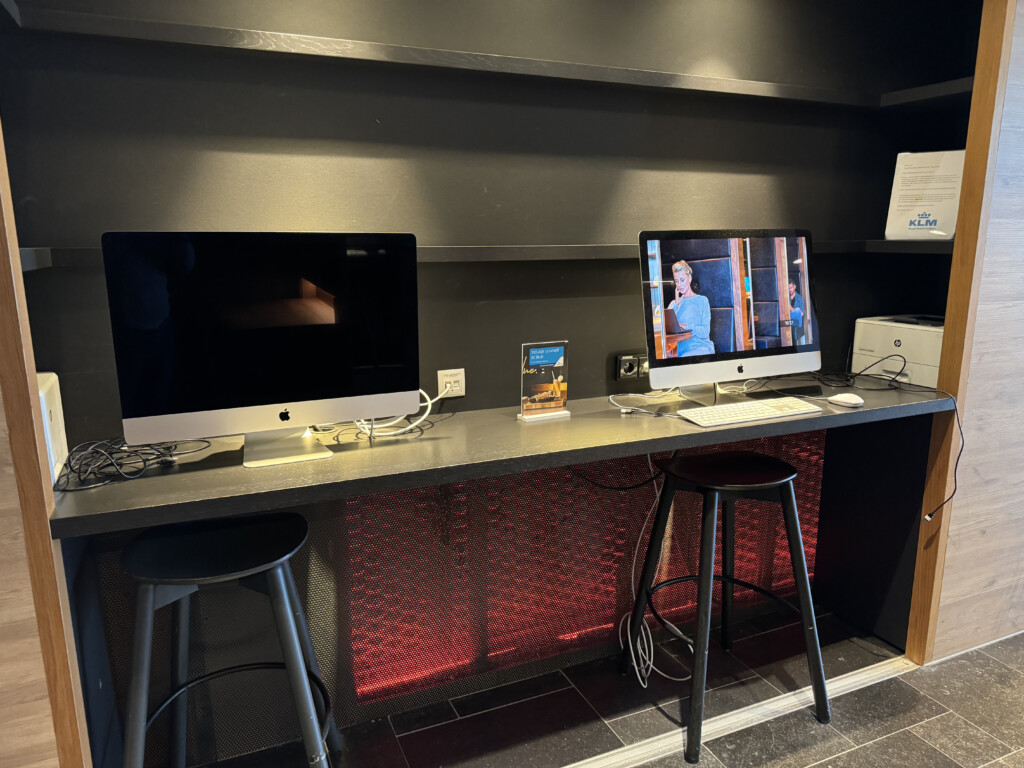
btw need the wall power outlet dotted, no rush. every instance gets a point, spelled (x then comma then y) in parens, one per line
(454, 379)
(631, 366)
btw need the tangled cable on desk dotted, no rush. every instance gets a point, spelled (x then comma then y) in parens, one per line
(100, 462)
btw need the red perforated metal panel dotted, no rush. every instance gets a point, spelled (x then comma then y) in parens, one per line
(452, 581)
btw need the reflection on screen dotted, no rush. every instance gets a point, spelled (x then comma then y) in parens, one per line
(210, 321)
(714, 296)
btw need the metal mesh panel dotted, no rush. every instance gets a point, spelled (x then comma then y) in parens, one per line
(423, 594)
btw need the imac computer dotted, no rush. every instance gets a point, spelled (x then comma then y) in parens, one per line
(724, 305)
(261, 334)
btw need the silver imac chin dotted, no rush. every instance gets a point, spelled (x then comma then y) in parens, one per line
(732, 370)
(274, 434)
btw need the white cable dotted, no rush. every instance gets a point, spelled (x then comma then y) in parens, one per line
(651, 396)
(740, 389)
(372, 431)
(643, 655)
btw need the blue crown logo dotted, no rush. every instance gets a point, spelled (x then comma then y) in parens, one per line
(923, 215)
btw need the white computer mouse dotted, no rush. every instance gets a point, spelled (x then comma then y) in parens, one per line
(847, 399)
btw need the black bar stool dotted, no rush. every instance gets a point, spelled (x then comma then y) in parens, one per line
(726, 477)
(172, 562)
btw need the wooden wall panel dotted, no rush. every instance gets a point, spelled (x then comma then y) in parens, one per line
(982, 595)
(26, 727)
(31, 558)
(990, 81)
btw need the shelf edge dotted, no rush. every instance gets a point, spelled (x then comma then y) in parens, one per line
(49, 20)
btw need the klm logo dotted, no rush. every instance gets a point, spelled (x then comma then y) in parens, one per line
(922, 220)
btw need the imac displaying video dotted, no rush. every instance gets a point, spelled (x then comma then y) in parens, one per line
(714, 297)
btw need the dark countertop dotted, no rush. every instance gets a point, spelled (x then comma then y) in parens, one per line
(460, 446)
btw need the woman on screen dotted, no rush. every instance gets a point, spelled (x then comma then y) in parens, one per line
(693, 312)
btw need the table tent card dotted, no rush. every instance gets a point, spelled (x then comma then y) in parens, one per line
(545, 380)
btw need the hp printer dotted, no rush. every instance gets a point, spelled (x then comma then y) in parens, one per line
(918, 338)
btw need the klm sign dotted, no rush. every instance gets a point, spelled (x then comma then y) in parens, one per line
(922, 220)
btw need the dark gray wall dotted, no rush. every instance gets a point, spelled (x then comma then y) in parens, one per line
(110, 134)
(473, 316)
(117, 134)
(801, 43)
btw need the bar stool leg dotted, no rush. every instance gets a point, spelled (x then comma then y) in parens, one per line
(306, 641)
(289, 637)
(803, 586)
(728, 566)
(179, 676)
(138, 689)
(643, 591)
(698, 680)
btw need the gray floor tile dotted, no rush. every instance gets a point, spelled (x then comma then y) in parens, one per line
(509, 694)
(1009, 651)
(1016, 760)
(707, 760)
(673, 716)
(880, 710)
(724, 668)
(651, 722)
(954, 737)
(902, 749)
(981, 690)
(424, 717)
(779, 658)
(369, 745)
(546, 732)
(615, 695)
(791, 741)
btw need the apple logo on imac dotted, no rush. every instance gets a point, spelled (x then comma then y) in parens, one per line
(285, 416)
(739, 369)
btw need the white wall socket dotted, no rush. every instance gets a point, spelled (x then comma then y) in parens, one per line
(454, 379)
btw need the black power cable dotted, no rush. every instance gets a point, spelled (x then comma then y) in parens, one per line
(844, 379)
(641, 484)
(90, 465)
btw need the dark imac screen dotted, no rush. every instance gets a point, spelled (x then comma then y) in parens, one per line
(210, 321)
(712, 294)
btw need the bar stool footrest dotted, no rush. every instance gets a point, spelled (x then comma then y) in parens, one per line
(721, 579)
(316, 680)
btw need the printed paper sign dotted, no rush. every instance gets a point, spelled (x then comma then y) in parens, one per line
(925, 196)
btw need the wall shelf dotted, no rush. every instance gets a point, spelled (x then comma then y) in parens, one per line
(628, 251)
(199, 27)
(925, 94)
(470, 253)
(824, 247)
(38, 258)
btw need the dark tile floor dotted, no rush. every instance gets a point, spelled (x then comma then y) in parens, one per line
(588, 709)
(966, 712)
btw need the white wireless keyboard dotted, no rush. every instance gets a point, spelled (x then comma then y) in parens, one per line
(754, 410)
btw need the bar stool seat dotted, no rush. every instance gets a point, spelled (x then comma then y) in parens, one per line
(728, 470)
(214, 551)
(172, 562)
(725, 477)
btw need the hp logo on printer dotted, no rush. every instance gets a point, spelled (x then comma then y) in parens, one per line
(897, 343)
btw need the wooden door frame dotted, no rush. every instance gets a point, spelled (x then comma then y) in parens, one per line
(20, 395)
(991, 71)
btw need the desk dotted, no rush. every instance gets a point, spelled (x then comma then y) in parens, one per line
(448, 539)
(462, 446)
